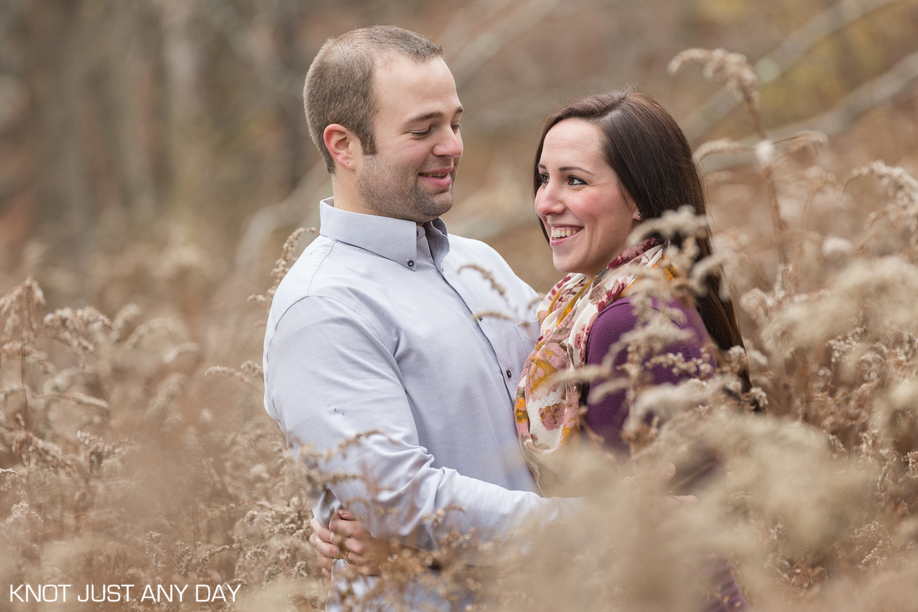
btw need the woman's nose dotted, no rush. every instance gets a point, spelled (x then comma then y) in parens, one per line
(547, 201)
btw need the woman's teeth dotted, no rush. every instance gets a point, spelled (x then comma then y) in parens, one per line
(557, 232)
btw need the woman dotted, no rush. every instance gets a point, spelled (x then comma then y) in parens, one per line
(604, 164)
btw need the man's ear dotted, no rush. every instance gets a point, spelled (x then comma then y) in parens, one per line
(343, 145)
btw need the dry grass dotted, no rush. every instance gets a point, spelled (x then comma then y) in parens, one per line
(121, 462)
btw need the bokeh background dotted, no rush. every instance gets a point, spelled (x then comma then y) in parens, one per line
(154, 158)
(179, 123)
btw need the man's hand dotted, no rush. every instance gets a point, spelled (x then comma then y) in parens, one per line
(346, 538)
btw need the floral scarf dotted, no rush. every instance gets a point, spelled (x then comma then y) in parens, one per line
(547, 410)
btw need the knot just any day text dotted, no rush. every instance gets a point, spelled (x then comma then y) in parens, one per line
(123, 593)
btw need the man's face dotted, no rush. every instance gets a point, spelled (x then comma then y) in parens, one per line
(418, 144)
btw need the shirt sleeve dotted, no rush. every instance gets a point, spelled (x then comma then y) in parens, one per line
(332, 378)
(606, 416)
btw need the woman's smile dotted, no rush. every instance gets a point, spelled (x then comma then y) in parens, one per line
(560, 234)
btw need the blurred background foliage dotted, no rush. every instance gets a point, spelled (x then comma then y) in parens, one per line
(154, 157)
(134, 128)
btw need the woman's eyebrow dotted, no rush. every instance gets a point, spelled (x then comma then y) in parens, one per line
(578, 168)
(566, 169)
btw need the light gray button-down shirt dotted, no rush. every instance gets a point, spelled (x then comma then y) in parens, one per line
(373, 330)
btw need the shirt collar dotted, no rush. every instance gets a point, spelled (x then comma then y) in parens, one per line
(395, 239)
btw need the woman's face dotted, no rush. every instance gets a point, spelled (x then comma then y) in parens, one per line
(585, 211)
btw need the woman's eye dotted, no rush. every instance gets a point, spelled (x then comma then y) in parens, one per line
(573, 180)
(543, 179)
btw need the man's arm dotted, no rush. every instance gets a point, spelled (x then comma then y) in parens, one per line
(331, 377)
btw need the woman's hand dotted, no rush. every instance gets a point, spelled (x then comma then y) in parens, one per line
(346, 538)
(665, 474)
(662, 475)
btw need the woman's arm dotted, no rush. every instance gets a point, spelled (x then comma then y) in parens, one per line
(606, 416)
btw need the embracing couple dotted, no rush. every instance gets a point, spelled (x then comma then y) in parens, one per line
(373, 329)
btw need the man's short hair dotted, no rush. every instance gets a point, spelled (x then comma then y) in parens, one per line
(339, 84)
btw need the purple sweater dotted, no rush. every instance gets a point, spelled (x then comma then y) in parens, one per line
(607, 417)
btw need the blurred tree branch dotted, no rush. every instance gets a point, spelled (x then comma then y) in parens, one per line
(285, 83)
(62, 175)
(298, 208)
(869, 95)
(469, 57)
(781, 59)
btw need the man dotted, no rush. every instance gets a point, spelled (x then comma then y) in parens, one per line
(372, 330)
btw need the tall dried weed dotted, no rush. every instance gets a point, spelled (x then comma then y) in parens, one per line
(120, 462)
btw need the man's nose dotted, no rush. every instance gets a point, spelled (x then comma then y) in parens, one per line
(450, 145)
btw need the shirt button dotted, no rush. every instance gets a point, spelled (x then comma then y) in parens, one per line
(410, 263)
(509, 374)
